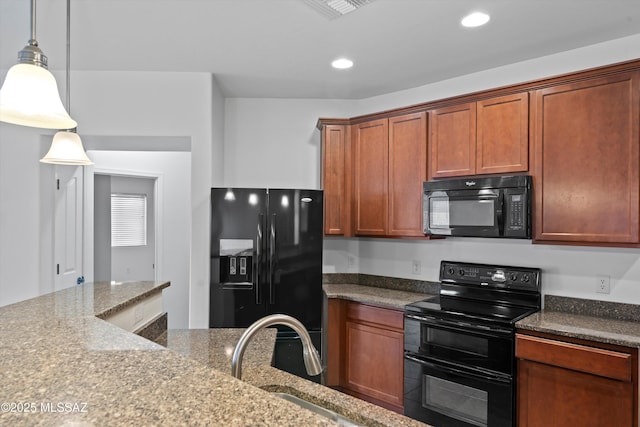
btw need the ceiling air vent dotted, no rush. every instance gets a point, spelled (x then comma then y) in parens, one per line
(333, 9)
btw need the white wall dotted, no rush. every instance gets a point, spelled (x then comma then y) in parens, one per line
(20, 214)
(172, 171)
(274, 142)
(567, 270)
(213, 160)
(619, 50)
(107, 104)
(162, 104)
(102, 228)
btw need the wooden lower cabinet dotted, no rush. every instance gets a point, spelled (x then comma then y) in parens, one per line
(580, 383)
(365, 355)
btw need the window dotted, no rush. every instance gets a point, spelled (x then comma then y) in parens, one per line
(128, 219)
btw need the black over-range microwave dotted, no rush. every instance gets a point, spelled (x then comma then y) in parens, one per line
(496, 206)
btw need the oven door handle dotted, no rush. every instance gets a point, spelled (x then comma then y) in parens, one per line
(460, 326)
(485, 376)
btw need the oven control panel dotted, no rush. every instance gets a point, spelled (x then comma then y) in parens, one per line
(490, 275)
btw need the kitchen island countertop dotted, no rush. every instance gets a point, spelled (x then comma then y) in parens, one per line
(64, 366)
(214, 348)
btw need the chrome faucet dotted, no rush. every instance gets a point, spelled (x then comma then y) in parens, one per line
(309, 352)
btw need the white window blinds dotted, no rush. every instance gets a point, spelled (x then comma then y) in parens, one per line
(128, 219)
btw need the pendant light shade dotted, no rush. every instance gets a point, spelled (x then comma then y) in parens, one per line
(29, 95)
(66, 149)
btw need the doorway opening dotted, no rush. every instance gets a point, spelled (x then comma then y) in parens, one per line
(125, 212)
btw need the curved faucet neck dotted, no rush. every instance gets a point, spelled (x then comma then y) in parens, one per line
(310, 354)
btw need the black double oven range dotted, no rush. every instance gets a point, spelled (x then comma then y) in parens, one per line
(459, 362)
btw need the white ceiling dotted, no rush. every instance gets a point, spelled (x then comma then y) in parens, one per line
(283, 48)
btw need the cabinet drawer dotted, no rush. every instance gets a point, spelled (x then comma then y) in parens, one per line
(386, 318)
(592, 360)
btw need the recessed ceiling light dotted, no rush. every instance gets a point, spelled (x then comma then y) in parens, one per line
(342, 63)
(475, 19)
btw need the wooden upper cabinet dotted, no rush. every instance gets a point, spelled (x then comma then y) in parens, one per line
(586, 180)
(336, 174)
(502, 134)
(407, 172)
(485, 137)
(390, 165)
(452, 141)
(371, 157)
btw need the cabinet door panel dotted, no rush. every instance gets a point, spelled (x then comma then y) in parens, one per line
(407, 172)
(375, 363)
(587, 160)
(552, 396)
(452, 141)
(334, 179)
(503, 134)
(371, 177)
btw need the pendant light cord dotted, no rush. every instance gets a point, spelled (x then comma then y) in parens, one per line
(33, 41)
(68, 56)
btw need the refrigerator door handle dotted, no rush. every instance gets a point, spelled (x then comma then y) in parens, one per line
(256, 276)
(272, 257)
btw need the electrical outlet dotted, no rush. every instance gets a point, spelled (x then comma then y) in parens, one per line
(415, 266)
(603, 284)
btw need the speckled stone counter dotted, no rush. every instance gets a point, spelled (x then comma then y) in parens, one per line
(381, 297)
(357, 410)
(61, 365)
(109, 298)
(383, 282)
(214, 347)
(599, 321)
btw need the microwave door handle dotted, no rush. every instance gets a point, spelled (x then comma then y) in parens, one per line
(500, 212)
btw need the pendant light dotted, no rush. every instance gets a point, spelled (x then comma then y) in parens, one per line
(66, 147)
(29, 95)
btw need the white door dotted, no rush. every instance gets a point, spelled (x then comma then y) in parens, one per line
(68, 226)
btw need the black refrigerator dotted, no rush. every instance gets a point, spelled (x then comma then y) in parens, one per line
(266, 258)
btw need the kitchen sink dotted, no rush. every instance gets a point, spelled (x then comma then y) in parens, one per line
(334, 416)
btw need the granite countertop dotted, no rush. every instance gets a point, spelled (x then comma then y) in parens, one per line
(381, 297)
(591, 320)
(61, 365)
(214, 348)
